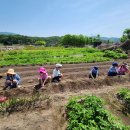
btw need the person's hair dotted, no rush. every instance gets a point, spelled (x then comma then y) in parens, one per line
(114, 64)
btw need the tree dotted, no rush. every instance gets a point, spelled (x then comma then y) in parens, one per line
(126, 35)
(97, 41)
(126, 40)
(40, 43)
(73, 40)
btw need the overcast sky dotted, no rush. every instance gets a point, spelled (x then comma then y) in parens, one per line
(59, 17)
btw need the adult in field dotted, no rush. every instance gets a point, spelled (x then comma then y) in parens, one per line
(113, 70)
(123, 69)
(93, 72)
(12, 79)
(43, 77)
(57, 75)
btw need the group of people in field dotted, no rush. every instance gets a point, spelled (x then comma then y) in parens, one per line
(114, 70)
(13, 79)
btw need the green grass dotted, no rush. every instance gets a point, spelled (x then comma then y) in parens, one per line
(32, 56)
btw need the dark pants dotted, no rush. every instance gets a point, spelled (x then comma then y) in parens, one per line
(10, 85)
(56, 79)
(112, 74)
(123, 73)
(92, 76)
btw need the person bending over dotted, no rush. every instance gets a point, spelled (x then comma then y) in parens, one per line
(123, 69)
(94, 72)
(43, 77)
(113, 69)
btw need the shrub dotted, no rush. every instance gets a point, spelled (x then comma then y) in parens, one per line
(114, 55)
(124, 96)
(89, 114)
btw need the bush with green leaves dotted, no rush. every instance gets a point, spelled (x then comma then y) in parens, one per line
(115, 54)
(89, 114)
(124, 95)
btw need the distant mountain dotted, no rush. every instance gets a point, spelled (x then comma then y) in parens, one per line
(113, 39)
(7, 33)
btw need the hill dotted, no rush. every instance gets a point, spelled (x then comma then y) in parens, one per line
(7, 33)
(113, 39)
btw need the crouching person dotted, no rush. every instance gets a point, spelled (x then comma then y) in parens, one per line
(43, 77)
(12, 79)
(94, 72)
(113, 70)
(57, 75)
(123, 69)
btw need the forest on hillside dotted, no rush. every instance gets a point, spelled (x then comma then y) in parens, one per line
(68, 40)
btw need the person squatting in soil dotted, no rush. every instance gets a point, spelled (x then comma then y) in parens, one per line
(57, 75)
(113, 70)
(124, 68)
(12, 79)
(94, 72)
(43, 77)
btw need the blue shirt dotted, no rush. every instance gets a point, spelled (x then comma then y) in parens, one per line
(13, 77)
(112, 69)
(94, 71)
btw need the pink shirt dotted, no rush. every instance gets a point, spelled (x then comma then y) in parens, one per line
(122, 70)
(43, 76)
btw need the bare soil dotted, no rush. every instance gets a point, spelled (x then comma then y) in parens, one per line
(51, 114)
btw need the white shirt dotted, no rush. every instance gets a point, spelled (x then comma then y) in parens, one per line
(56, 73)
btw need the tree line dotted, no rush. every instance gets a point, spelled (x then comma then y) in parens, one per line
(66, 40)
(79, 40)
(27, 40)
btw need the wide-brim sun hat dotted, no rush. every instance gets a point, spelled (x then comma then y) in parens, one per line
(58, 65)
(11, 71)
(42, 70)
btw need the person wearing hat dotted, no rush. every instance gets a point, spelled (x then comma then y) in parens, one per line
(57, 75)
(43, 77)
(113, 69)
(12, 79)
(124, 68)
(94, 72)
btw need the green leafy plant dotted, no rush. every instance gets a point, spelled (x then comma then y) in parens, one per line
(124, 96)
(89, 113)
(115, 54)
(53, 55)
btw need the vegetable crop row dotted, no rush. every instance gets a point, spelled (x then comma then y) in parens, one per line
(55, 55)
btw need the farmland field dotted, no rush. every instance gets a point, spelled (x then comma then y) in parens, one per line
(55, 55)
(48, 113)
